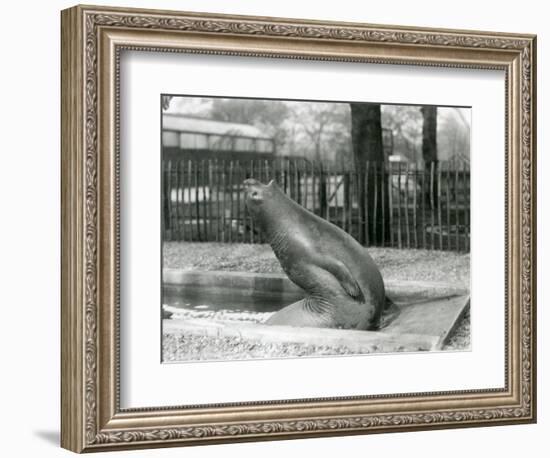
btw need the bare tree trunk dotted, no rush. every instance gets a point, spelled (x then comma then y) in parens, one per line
(429, 149)
(366, 138)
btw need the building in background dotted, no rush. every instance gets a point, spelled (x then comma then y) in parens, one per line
(192, 137)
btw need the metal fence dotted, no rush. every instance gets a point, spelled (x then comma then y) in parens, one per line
(404, 205)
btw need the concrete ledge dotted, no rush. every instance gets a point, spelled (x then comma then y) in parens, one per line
(253, 283)
(244, 282)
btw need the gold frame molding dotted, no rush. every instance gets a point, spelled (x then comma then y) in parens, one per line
(92, 39)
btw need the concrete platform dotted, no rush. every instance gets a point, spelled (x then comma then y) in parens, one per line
(424, 316)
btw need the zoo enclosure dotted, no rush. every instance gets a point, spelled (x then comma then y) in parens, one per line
(403, 205)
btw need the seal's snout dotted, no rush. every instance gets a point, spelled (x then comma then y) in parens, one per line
(254, 190)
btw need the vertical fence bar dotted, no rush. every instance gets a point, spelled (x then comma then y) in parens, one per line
(375, 235)
(169, 197)
(288, 174)
(270, 173)
(334, 193)
(326, 191)
(238, 180)
(463, 192)
(200, 200)
(399, 226)
(250, 219)
(179, 199)
(174, 201)
(356, 197)
(457, 210)
(390, 202)
(415, 200)
(438, 203)
(407, 205)
(223, 179)
(204, 201)
(258, 237)
(196, 175)
(231, 197)
(328, 184)
(279, 173)
(192, 200)
(209, 201)
(285, 168)
(297, 181)
(424, 194)
(294, 180)
(263, 172)
(305, 178)
(362, 186)
(246, 216)
(163, 200)
(466, 171)
(189, 209)
(321, 188)
(184, 199)
(383, 202)
(448, 204)
(182, 173)
(189, 202)
(197, 201)
(432, 204)
(175, 227)
(351, 185)
(165, 215)
(463, 206)
(218, 219)
(314, 195)
(343, 174)
(336, 201)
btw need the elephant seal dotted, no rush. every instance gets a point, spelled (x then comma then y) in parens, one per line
(344, 286)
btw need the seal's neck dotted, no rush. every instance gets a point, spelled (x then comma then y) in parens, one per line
(278, 239)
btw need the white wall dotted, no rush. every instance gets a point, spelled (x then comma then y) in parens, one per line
(29, 241)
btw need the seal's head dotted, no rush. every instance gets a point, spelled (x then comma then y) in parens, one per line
(256, 194)
(261, 200)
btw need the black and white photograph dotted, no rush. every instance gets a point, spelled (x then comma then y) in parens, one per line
(307, 228)
(265, 229)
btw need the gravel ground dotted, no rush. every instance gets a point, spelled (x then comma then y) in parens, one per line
(193, 347)
(395, 264)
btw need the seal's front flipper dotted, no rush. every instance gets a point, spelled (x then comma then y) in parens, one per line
(344, 276)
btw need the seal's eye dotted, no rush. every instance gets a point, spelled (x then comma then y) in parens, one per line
(256, 196)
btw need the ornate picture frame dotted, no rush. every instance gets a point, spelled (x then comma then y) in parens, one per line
(92, 41)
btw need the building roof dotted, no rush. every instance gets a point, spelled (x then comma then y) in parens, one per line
(184, 123)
